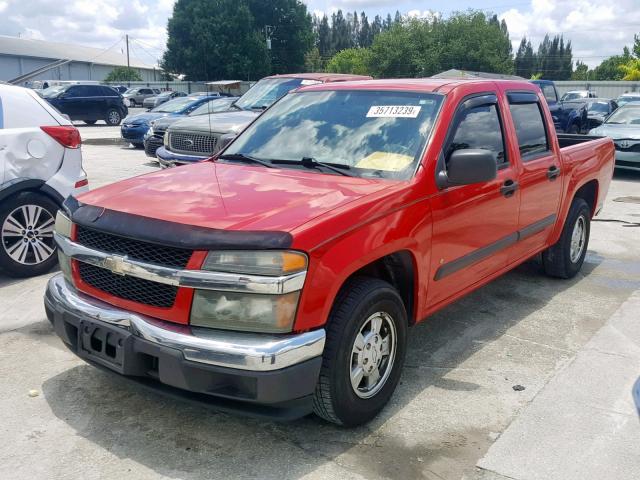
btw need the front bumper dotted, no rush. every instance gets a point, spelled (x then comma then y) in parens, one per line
(267, 375)
(134, 133)
(151, 144)
(628, 160)
(170, 159)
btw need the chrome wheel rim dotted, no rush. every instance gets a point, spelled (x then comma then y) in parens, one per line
(27, 235)
(578, 239)
(114, 117)
(372, 355)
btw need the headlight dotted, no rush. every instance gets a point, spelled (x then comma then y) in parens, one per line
(63, 227)
(249, 311)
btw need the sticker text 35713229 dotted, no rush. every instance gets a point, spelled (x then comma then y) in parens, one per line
(393, 111)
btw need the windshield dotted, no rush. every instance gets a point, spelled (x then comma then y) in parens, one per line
(173, 106)
(264, 93)
(628, 115)
(53, 91)
(213, 106)
(376, 133)
(598, 107)
(573, 96)
(630, 98)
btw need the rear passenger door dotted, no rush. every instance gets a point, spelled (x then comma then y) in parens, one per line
(540, 179)
(474, 226)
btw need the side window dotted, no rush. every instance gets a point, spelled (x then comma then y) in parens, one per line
(530, 130)
(145, 91)
(549, 93)
(480, 128)
(73, 92)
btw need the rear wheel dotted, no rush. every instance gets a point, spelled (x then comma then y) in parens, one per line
(565, 258)
(113, 117)
(27, 247)
(364, 352)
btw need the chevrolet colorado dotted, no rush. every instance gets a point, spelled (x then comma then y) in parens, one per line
(282, 275)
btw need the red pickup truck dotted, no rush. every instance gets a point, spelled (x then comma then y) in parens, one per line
(281, 276)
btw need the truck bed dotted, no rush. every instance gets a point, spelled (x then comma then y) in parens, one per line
(570, 139)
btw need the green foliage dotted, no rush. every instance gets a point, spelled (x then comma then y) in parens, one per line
(609, 69)
(216, 39)
(123, 74)
(313, 61)
(350, 60)
(553, 60)
(423, 47)
(581, 72)
(631, 69)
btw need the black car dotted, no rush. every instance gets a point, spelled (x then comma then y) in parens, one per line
(88, 103)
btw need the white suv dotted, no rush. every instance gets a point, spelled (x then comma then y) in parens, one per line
(40, 165)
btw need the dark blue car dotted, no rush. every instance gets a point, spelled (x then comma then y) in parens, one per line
(568, 117)
(134, 127)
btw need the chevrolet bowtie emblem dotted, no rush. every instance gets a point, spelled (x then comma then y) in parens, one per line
(114, 263)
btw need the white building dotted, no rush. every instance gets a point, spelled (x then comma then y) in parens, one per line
(21, 56)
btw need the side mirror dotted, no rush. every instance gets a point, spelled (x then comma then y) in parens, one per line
(467, 166)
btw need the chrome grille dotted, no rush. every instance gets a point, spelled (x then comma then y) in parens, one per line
(204, 144)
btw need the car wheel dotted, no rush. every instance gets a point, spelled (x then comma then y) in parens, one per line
(27, 247)
(138, 145)
(565, 258)
(90, 122)
(113, 117)
(364, 352)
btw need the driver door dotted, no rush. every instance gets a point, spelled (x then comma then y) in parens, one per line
(474, 226)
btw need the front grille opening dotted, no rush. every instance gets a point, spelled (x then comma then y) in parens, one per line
(128, 288)
(192, 142)
(134, 249)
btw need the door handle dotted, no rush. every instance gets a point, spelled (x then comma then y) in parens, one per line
(553, 172)
(508, 188)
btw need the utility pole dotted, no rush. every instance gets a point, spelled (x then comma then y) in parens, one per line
(268, 30)
(128, 65)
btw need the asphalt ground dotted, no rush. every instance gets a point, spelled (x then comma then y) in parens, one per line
(62, 419)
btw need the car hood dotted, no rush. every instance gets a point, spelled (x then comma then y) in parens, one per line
(223, 122)
(618, 131)
(142, 118)
(233, 197)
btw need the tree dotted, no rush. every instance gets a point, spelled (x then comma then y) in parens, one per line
(609, 68)
(365, 37)
(123, 74)
(292, 35)
(313, 61)
(631, 69)
(350, 60)
(525, 62)
(340, 37)
(324, 37)
(581, 72)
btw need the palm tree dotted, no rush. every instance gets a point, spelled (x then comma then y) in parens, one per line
(631, 69)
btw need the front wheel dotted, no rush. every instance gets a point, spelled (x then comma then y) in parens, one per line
(565, 258)
(27, 247)
(113, 117)
(364, 352)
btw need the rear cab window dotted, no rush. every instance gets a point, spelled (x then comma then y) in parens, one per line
(531, 132)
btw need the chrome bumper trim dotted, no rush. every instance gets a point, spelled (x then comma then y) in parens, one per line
(201, 279)
(245, 351)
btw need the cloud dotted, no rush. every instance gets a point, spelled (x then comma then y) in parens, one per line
(97, 23)
(597, 28)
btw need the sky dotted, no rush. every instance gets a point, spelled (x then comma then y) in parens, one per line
(597, 28)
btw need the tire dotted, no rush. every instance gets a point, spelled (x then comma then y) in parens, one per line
(90, 122)
(138, 146)
(27, 209)
(565, 258)
(361, 303)
(113, 117)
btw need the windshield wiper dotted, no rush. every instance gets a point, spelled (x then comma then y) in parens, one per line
(309, 162)
(245, 158)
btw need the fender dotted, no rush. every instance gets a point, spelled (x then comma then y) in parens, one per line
(17, 185)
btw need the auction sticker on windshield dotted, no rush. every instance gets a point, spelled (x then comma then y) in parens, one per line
(393, 111)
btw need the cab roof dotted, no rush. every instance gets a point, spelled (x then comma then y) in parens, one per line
(431, 85)
(324, 77)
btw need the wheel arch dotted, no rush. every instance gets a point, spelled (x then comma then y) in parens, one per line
(589, 193)
(18, 185)
(399, 270)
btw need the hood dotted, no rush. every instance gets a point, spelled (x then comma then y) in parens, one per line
(618, 131)
(224, 122)
(164, 122)
(233, 197)
(144, 118)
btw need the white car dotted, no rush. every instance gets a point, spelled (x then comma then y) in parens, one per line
(40, 166)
